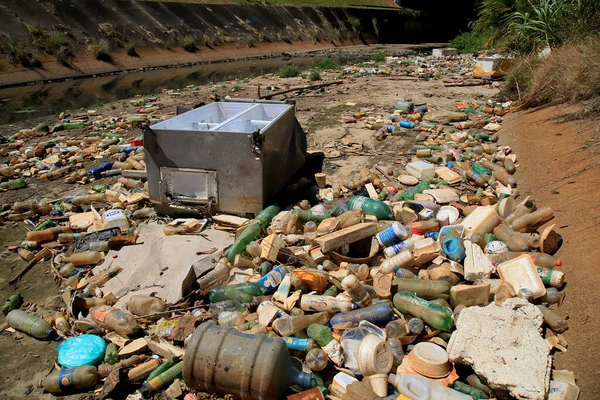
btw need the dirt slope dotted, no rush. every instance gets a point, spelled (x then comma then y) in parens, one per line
(558, 166)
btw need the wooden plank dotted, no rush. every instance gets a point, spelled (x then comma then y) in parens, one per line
(231, 220)
(271, 246)
(371, 190)
(346, 236)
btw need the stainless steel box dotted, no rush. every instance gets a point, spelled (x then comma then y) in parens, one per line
(232, 156)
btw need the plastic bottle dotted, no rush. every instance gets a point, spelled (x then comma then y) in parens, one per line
(104, 276)
(379, 313)
(409, 194)
(145, 305)
(454, 248)
(299, 344)
(111, 354)
(356, 291)
(397, 351)
(521, 209)
(99, 246)
(404, 259)
(40, 208)
(371, 207)
(47, 235)
(532, 220)
(396, 329)
(215, 277)
(469, 390)
(269, 283)
(12, 303)
(405, 245)
(422, 227)
(222, 293)
(417, 387)
(142, 371)
(70, 380)
(287, 326)
(252, 366)
(114, 319)
(552, 296)
(324, 303)
(500, 173)
(61, 323)
(392, 235)
(439, 317)
(105, 369)
(87, 199)
(407, 124)
(69, 237)
(425, 289)
(310, 215)
(415, 326)
(252, 232)
(84, 258)
(161, 381)
(310, 226)
(551, 277)
(509, 165)
(472, 176)
(553, 319)
(145, 212)
(14, 184)
(513, 240)
(56, 173)
(232, 318)
(316, 359)
(31, 325)
(162, 368)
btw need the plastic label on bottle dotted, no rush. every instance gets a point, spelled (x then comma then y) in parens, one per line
(66, 379)
(297, 343)
(28, 324)
(101, 312)
(388, 237)
(269, 282)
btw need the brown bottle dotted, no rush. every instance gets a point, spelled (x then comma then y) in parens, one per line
(523, 208)
(47, 235)
(104, 276)
(135, 163)
(500, 173)
(122, 165)
(70, 380)
(57, 173)
(105, 369)
(513, 240)
(533, 220)
(142, 371)
(84, 258)
(41, 208)
(88, 199)
(509, 165)
(61, 323)
(145, 305)
(478, 180)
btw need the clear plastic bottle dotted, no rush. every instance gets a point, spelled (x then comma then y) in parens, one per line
(84, 258)
(316, 359)
(231, 318)
(426, 289)
(396, 329)
(31, 325)
(287, 326)
(113, 319)
(397, 351)
(403, 259)
(61, 323)
(310, 226)
(215, 277)
(356, 291)
(145, 305)
(324, 303)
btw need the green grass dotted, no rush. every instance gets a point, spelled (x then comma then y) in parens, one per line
(315, 76)
(469, 42)
(328, 63)
(288, 71)
(378, 57)
(188, 43)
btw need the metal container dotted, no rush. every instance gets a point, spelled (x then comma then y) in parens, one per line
(231, 156)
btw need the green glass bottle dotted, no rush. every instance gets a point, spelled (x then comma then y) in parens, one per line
(371, 207)
(222, 293)
(469, 390)
(481, 170)
(309, 215)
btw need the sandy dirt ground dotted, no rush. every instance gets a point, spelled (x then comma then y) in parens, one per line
(557, 165)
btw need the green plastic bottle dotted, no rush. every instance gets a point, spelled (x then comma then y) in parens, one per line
(111, 354)
(252, 288)
(481, 170)
(309, 215)
(437, 316)
(320, 333)
(371, 207)
(45, 225)
(410, 193)
(74, 125)
(229, 293)
(469, 390)
(12, 303)
(162, 381)
(252, 232)
(162, 368)
(331, 291)
(14, 184)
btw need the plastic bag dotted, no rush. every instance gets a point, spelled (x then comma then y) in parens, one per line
(81, 350)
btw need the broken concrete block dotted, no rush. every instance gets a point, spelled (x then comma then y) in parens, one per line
(469, 295)
(477, 265)
(505, 347)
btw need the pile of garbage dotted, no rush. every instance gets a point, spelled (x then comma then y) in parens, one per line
(429, 279)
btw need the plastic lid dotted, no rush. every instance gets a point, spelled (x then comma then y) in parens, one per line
(430, 360)
(374, 356)
(408, 180)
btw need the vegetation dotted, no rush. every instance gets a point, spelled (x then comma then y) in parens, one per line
(378, 57)
(315, 76)
(188, 43)
(100, 50)
(288, 71)
(328, 63)
(470, 42)
(354, 23)
(130, 49)
(52, 43)
(18, 53)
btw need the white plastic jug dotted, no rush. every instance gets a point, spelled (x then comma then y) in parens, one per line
(521, 273)
(417, 387)
(421, 170)
(115, 219)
